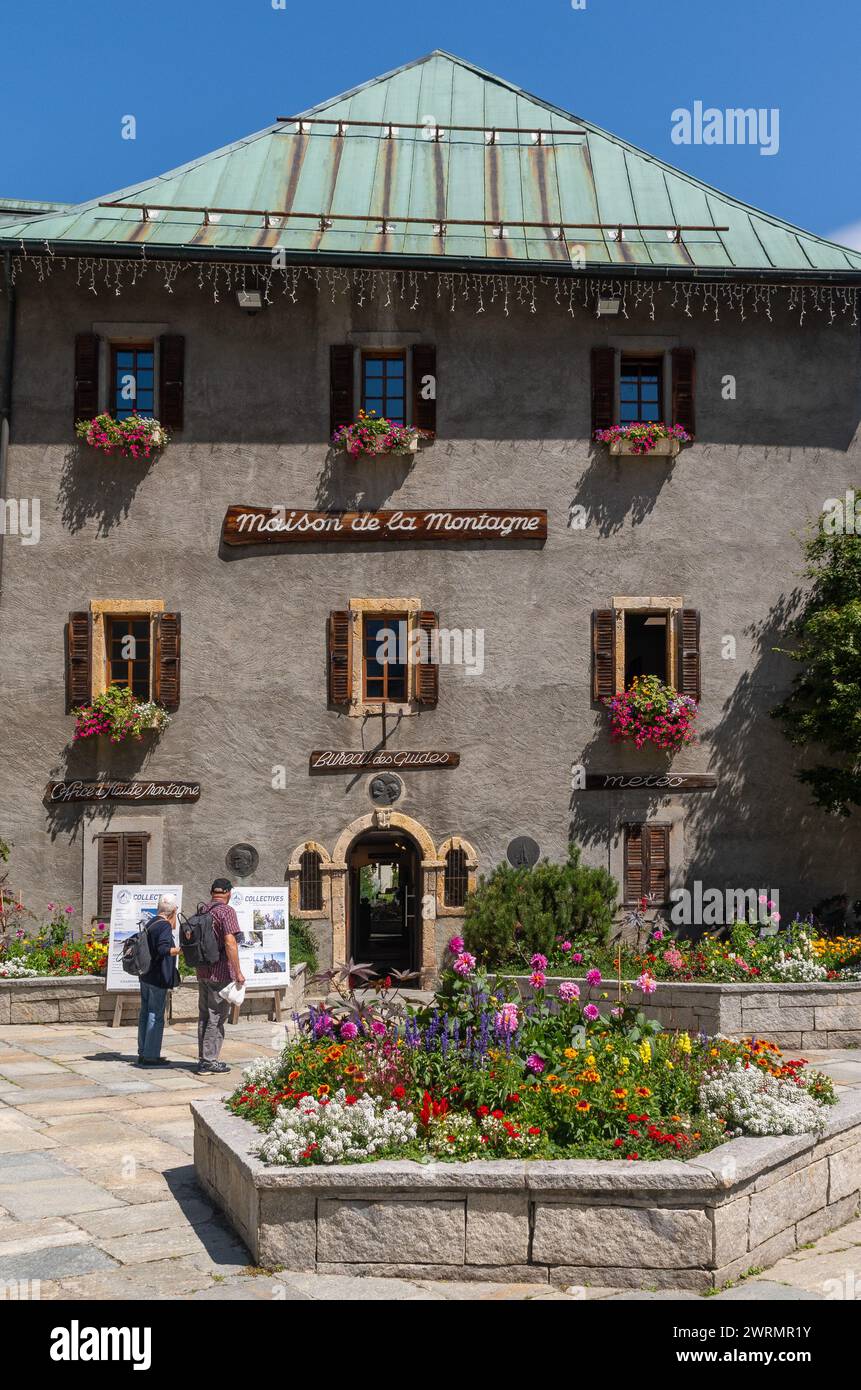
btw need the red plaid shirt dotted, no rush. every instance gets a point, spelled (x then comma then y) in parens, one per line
(226, 923)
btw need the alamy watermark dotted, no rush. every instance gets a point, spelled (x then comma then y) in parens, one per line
(21, 517)
(735, 126)
(716, 907)
(398, 645)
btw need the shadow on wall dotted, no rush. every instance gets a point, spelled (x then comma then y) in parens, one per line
(94, 487)
(757, 788)
(360, 484)
(614, 493)
(85, 761)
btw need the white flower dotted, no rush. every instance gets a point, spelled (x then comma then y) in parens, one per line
(752, 1101)
(338, 1132)
(13, 970)
(798, 969)
(263, 1071)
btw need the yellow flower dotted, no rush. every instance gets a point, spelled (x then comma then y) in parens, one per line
(583, 1105)
(684, 1042)
(619, 1092)
(643, 1091)
(573, 1090)
(590, 1060)
(645, 1051)
(571, 1053)
(624, 1063)
(668, 1065)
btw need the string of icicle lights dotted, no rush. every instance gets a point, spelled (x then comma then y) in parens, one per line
(469, 290)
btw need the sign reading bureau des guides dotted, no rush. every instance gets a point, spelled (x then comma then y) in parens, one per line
(286, 526)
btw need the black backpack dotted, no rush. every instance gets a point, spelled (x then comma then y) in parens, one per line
(137, 952)
(198, 938)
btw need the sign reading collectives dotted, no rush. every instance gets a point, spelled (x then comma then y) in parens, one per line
(283, 525)
(132, 904)
(415, 760)
(264, 939)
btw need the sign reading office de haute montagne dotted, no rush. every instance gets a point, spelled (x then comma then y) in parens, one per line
(268, 525)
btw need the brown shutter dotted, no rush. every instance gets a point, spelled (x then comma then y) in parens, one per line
(340, 658)
(167, 654)
(657, 864)
(427, 672)
(603, 388)
(341, 410)
(134, 857)
(86, 402)
(424, 366)
(635, 850)
(689, 653)
(171, 381)
(79, 660)
(684, 389)
(603, 653)
(110, 866)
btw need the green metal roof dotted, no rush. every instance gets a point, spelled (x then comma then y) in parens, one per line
(585, 177)
(15, 209)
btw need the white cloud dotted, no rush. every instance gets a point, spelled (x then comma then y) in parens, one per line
(848, 236)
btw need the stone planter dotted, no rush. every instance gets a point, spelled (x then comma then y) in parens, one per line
(665, 1224)
(808, 1015)
(84, 999)
(664, 448)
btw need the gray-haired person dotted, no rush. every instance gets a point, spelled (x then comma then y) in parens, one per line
(155, 983)
(212, 979)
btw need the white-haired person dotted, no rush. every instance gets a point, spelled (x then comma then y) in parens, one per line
(155, 983)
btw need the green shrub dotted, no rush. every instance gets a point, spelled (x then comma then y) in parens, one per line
(515, 912)
(302, 944)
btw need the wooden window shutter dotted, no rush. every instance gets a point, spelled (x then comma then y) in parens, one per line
(341, 410)
(689, 653)
(167, 659)
(603, 653)
(427, 672)
(171, 381)
(340, 658)
(603, 388)
(110, 865)
(79, 660)
(657, 864)
(86, 393)
(424, 404)
(635, 854)
(684, 389)
(134, 857)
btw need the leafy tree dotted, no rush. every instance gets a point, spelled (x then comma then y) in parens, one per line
(516, 912)
(824, 706)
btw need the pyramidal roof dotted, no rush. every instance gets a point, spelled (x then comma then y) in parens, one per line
(487, 170)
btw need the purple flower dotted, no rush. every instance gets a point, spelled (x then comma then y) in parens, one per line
(591, 1012)
(658, 934)
(323, 1025)
(617, 1012)
(538, 962)
(565, 946)
(537, 979)
(535, 1064)
(507, 1019)
(593, 977)
(569, 991)
(456, 945)
(348, 1029)
(577, 958)
(378, 1028)
(647, 983)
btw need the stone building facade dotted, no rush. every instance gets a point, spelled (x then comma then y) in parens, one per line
(239, 639)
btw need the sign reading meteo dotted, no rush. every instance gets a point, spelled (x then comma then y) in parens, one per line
(283, 525)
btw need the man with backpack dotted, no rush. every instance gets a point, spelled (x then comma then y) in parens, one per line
(156, 979)
(215, 976)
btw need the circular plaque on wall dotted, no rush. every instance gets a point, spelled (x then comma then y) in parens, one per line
(242, 860)
(385, 789)
(523, 852)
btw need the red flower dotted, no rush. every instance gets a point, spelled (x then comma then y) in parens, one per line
(398, 1093)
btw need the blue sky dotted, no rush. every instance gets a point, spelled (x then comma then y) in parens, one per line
(198, 75)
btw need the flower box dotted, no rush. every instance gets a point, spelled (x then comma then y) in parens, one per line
(372, 436)
(662, 448)
(136, 437)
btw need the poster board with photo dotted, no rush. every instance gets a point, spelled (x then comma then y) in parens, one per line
(264, 939)
(131, 904)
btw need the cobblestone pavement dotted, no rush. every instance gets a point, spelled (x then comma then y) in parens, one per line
(98, 1197)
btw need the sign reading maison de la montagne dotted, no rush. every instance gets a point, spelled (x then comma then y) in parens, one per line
(285, 525)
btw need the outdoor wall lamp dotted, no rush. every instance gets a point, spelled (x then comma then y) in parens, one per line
(249, 300)
(609, 306)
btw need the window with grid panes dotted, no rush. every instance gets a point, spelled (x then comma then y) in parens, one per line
(132, 387)
(641, 390)
(128, 654)
(384, 377)
(384, 677)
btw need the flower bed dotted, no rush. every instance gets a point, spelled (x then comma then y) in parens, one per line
(135, 437)
(652, 712)
(49, 948)
(479, 1075)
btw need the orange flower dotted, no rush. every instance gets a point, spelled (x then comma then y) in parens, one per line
(322, 1090)
(573, 1090)
(643, 1091)
(620, 1092)
(292, 1076)
(583, 1105)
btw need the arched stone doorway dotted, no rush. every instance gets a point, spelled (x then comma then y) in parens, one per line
(393, 916)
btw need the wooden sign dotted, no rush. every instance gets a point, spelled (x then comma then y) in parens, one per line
(330, 760)
(282, 525)
(122, 791)
(647, 781)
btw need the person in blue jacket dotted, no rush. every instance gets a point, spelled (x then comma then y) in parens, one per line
(161, 977)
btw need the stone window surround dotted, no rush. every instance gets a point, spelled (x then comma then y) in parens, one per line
(358, 607)
(622, 605)
(112, 332)
(108, 607)
(455, 842)
(122, 821)
(294, 869)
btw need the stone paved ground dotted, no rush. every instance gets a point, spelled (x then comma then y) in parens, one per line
(98, 1197)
